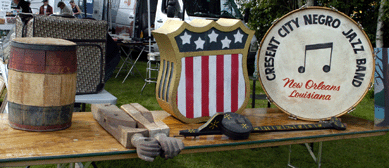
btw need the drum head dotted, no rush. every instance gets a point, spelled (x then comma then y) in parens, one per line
(315, 63)
(44, 41)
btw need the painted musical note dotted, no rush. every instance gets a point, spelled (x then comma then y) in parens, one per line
(326, 68)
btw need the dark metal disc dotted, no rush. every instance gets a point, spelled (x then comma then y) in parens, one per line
(236, 126)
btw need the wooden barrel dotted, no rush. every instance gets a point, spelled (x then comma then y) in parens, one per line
(42, 83)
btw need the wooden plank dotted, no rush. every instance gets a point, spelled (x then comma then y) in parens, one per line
(153, 127)
(117, 122)
(112, 114)
(142, 122)
(137, 116)
(163, 128)
(149, 116)
(146, 113)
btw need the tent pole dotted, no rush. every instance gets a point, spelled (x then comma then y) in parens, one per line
(148, 22)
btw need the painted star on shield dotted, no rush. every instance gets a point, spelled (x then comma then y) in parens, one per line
(185, 38)
(226, 43)
(212, 36)
(238, 37)
(199, 43)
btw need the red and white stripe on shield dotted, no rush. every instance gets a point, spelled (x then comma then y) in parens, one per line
(210, 84)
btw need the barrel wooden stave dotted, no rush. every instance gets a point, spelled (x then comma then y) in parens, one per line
(41, 89)
(38, 61)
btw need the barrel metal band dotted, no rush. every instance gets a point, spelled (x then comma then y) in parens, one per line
(40, 128)
(37, 118)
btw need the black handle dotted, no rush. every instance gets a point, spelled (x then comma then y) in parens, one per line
(196, 132)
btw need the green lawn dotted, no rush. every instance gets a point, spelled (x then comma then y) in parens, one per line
(362, 152)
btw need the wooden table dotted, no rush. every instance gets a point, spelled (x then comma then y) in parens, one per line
(85, 140)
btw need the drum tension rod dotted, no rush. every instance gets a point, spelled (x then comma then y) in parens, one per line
(304, 6)
(376, 52)
(269, 100)
(371, 85)
(275, 21)
(360, 25)
(293, 117)
(333, 8)
(323, 121)
(351, 110)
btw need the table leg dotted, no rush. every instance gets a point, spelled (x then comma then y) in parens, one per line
(289, 156)
(134, 64)
(319, 155)
(3, 105)
(76, 165)
(144, 85)
(125, 60)
(83, 107)
(64, 165)
(316, 159)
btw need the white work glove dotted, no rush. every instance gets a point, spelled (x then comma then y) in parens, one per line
(146, 148)
(171, 147)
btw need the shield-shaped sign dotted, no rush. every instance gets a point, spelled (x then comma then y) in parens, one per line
(203, 68)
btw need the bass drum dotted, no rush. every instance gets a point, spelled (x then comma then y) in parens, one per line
(315, 63)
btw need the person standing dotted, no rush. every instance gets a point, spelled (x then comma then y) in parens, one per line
(45, 9)
(29, 6)
(76, 10)
(22, 4)
(64, 9)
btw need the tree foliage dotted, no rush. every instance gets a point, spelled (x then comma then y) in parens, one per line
(264, 12)
(365, 12)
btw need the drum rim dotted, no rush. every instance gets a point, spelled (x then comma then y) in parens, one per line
(46, 47)
(328, 9)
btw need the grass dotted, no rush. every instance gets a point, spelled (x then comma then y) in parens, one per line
(361, 152)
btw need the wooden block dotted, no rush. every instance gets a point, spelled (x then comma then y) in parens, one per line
(122, 125)
(163, 127)
(128, 132)
(149, 116)
(115, 115)
(141, 120)
(117, 122)
(157, 127)
(146, 113)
